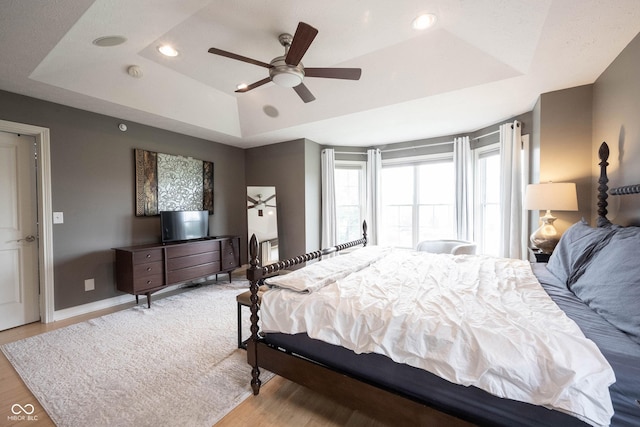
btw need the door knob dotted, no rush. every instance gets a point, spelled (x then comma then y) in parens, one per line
(27, 239)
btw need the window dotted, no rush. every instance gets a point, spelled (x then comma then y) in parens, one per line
(487, 199)
(350, 199)
(417, 201)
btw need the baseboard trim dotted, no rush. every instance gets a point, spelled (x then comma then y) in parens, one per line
(79, 310)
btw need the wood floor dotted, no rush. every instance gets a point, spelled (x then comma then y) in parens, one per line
(280, 402)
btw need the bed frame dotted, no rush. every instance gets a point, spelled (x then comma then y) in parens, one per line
(381, 403)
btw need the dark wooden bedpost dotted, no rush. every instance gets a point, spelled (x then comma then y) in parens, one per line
(603, 154)
(254, 274)
(364, 232)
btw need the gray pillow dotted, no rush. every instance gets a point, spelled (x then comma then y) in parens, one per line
(610, 282)
(575, 248)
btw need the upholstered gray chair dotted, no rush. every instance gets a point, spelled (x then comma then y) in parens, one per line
(454, 247)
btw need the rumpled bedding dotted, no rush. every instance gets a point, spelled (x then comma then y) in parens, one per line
(472, 320)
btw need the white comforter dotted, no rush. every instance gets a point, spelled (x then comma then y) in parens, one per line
(472, 320)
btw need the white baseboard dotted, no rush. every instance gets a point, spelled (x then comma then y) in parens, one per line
(102, 304)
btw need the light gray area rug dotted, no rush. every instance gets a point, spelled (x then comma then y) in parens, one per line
(176, 364)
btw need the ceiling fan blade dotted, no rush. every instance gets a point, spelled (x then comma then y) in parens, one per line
(334, 73)
(302, 39)
(239, 57)
(268, 198)
(251, 207)
(254, 85)
(252, 200)
(304, 93)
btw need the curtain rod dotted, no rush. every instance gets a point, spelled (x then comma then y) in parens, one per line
(486, 135)
(435, 144)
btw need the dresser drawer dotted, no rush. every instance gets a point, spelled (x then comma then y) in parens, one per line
(190, 273)
(140, 257)
(192, 248)
(230, 260)
(147, 269)
(192, 260)
(230, 254)
(141, 284)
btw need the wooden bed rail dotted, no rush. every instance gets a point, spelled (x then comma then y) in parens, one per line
(256, 275)
(627, 189)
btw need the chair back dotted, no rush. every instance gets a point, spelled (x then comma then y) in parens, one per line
(454, 247)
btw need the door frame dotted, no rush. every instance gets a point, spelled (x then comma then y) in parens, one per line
(45, 213)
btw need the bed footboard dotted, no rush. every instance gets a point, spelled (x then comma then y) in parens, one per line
(256, 275)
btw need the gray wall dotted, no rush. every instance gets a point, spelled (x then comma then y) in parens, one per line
(616, 120)
(92, 173)
(313, 195)
(564, 144)
(293, 167)
(283, 166)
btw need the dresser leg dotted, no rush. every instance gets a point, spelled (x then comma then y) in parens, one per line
(137, 302)
(148, 299)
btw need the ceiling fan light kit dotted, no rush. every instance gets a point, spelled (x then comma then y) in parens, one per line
(287, 70)
(286, 75)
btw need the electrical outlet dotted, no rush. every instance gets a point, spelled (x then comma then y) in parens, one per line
(89, 284)
(58, 218)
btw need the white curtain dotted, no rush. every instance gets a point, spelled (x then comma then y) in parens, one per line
(513, 239)
(374, 169)
(464, 187)
(329, 236)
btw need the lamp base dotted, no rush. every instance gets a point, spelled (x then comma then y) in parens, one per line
(546, 237)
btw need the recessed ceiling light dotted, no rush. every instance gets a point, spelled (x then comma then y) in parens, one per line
(167, 50)
(424, 21)
(108, 41)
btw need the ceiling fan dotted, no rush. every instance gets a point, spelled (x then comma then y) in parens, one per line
(260, 204)
(287, 70)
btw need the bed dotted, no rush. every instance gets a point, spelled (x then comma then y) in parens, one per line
(578, 361)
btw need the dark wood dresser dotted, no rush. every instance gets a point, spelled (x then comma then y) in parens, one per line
(144, 269)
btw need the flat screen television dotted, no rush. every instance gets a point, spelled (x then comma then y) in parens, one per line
(184, 225)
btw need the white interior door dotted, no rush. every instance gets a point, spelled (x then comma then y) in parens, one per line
(19, 285)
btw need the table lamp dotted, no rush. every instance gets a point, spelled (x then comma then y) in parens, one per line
(551, 196)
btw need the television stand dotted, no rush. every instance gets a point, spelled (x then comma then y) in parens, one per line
(145, 269)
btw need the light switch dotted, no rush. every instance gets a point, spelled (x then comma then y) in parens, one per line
(58, 218)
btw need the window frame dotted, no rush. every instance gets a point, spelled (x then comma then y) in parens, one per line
(361, 166)
(415, 162)
(479, 199)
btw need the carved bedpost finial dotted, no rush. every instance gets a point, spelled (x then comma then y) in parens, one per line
(603, 153)
(253, 250)
(364, 232)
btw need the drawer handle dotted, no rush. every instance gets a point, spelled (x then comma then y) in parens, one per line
(149, 269)
(148, 255)
(148, 282)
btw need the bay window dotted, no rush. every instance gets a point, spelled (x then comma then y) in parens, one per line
(418, 197)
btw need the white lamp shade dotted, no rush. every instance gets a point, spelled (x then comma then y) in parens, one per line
(556, 196)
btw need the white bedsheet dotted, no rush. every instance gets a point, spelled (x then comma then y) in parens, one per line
(472, 320)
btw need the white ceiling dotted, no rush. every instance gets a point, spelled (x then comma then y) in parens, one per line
(483, 62)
